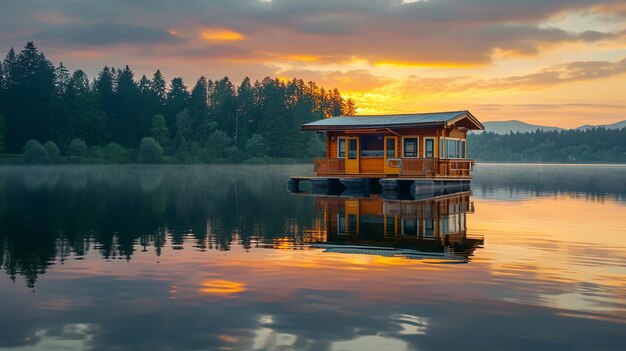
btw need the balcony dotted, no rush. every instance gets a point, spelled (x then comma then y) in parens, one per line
(411, 167)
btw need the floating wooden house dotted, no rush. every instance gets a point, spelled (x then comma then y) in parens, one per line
(425, 149)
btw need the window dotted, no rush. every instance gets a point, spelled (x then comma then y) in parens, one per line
(452, 146)
(341, 147)
(410, 147)
(391, 147)
(429, 147)
(441, 147)
(352, 149)
(463, 150)
(372, 146)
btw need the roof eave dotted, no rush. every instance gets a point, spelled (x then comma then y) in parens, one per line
(471, 118)
(374, 126)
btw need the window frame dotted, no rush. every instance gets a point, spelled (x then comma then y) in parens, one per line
(458, 148)
(356, 151)
(339, 140)
(433, 140)
(442, 147)
(463, 147)
(417, 146)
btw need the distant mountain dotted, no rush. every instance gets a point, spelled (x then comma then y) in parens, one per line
(505, 127)
(617, 125)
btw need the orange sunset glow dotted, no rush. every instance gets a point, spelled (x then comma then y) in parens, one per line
(218, 35)
(558, 63)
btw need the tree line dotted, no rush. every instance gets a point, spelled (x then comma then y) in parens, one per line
(596, 145)
(51, 114)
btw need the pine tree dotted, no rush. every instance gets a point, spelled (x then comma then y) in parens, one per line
(104, 89)
(1, 79)
(9, 66)
(177, 100)
(245, 119)
(29, 115)
(223, 102)
(2, 90)
(61, 78)
(199, 109)
(159, 87)
(127, 127)
(85, 118)
(349, 108)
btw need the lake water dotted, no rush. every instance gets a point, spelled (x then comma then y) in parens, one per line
(223, 257)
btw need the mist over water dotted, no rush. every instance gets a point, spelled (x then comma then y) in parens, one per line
(209, 257)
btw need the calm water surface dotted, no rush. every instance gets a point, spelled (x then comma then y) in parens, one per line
(209, 257)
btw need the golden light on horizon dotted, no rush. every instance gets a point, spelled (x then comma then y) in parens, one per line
(438, 64)
(303, 57)
(218, 34)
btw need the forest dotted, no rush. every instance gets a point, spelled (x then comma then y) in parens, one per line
(595, 145)
(50, 114)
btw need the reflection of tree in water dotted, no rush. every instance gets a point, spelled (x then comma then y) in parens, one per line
(49, 215)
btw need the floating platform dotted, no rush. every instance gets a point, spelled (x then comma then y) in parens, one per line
(389, 187)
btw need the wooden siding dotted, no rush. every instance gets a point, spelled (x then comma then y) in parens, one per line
(371, 165)
(373, 207)
(419, 166)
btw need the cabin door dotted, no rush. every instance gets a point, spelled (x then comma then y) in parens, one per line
(352, 156)
(391, 152)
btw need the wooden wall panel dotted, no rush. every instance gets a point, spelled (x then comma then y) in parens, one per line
(372, 165)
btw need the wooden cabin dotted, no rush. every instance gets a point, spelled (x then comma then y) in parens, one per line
(415, 146)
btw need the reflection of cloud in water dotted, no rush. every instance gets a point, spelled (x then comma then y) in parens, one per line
(268, 339)
(370, 343)
(411, 325)
(71, 337)
(221, 287)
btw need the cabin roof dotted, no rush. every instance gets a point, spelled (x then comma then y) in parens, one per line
(396, 120)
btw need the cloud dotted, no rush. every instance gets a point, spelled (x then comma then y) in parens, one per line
(354, 80)
(574, 71)
(381, 52)
(422, 32)
(106, 33)
(218, 35)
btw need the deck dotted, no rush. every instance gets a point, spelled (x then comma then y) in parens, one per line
(434, 168)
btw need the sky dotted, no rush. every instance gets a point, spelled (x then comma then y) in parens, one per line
(550, 62)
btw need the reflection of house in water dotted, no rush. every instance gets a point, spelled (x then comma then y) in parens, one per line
(430, 228)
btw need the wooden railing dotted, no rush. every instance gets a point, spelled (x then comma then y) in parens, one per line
(329, 166)
(419, 166)
(455, 167)
(426, 167)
